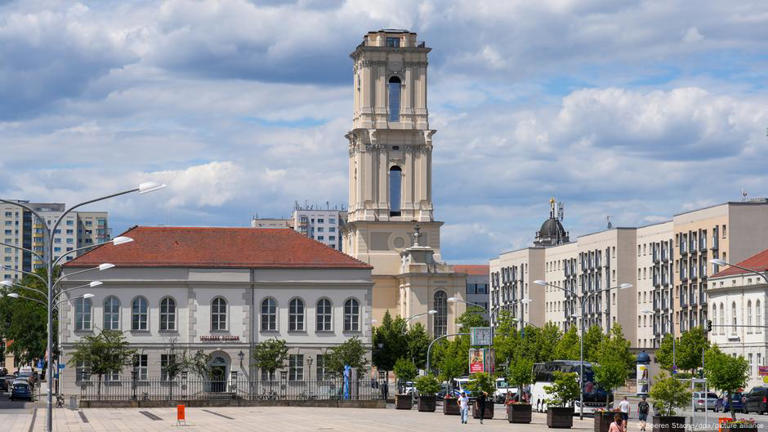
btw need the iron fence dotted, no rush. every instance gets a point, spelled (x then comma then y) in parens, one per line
(154, 389)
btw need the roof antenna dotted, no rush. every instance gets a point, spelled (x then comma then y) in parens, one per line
(610, 225)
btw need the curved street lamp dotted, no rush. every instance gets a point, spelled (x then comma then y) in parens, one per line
(581, 338)
(50, 263)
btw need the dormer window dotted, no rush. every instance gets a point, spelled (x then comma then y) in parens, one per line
(393, 42)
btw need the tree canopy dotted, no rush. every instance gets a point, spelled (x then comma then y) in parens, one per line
(271, 354)
(567, 347)
(724, 372)
(351, 353)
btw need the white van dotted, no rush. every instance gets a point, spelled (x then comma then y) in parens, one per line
(502, 388)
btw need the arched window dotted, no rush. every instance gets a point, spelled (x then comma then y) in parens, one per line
(714, 316)
(749, 316)
(722, 319)
(733, 318)
(394, 99)
(351, 315)
(441, 317)
(324, 315)
(139, 314)
(296, 315)
(218, 314)
(269, 314)
(167, 314)
(758, 318)
(82, 314)
(111, 313)
(395, 181)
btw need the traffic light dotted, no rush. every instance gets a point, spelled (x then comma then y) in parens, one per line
(709, 326)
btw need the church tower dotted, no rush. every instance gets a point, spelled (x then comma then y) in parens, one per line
(390, 166)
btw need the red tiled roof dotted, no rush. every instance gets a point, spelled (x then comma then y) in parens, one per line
(216, 248)
(757, 262)
(472, 269)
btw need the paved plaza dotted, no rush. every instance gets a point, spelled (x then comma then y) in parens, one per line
(271, 419)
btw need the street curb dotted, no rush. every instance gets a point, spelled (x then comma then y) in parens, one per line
(34, 416)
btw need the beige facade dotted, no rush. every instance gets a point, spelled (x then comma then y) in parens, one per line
(667, 263)
(390, 183)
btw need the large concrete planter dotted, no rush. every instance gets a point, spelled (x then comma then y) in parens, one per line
(603, 421)
(519, 413)
(403, 402)
(669, 423)
(451, 407)
(560, 417)
(427, 403)
(488, 410)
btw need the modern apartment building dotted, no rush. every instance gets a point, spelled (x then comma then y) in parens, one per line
(323, 225)
(667, 264)
(477, 284)
(21, 228)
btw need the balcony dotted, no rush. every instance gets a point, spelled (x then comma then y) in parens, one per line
(683, 275)
(683, 303)
(656, 280)
(692, 244)
(692, 296)
(703, 243)
(692, 270)
(656, 255)
(715, 243)
(702, 298)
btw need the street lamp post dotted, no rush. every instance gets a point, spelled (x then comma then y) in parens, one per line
(720, 262)
(429, 348)
(50, 264)
(581, 339)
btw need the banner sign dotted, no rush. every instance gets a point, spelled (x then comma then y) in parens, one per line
(476, 360)
(481, 336)
(642, 379)
(762, 370)
(220, 338)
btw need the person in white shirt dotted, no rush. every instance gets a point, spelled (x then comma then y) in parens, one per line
(463, 402)
(624, 408)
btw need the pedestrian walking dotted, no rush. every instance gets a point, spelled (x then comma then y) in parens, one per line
(481, 404)
(463, 402)
(624, 408)
(642, 409)
(616, 424)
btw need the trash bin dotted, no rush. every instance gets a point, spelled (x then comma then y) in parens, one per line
(73, 402)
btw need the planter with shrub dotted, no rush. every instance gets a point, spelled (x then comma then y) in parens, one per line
(565, 389)
(667, 394)
(603, 420)
(518, 412)
(428, 386)
(405, 371)
(482, 383)
(451, 405)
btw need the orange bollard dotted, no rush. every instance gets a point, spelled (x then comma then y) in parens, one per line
(180, 416)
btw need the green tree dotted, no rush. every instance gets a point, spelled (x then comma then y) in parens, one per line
(506, 338)
(692, 344)
(567, 347)
(667, 393)
(418, 341)
(481, 382)
(616, 346)
(103, 353)
(351, 353)
(270, 355)
(452, 359)
(199, 363)
(472, 317)
(592, 339)
(610, 374)
(724, 372)
(405, 370)
(24, 322)
(427, 385)
(389, 342)
(545, 342)
(564, 389)
(520, 373)
(664, 353)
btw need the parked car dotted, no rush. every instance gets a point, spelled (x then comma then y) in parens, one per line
(21, 390)
(705, 401)
(756, 400)
(28, 374)
(735, 399)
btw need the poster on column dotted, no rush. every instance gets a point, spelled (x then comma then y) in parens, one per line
(476, 360)
(642, 379)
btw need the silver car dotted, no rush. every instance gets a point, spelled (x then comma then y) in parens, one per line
(704, 401)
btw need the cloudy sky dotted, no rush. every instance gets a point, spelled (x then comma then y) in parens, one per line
(633, 109)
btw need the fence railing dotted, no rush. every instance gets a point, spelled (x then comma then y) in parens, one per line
(240, 388)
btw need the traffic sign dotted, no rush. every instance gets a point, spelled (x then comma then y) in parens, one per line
(61, 365)
(481, 336)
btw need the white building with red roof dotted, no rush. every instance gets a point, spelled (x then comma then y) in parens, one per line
(219, 290)
(737, 309)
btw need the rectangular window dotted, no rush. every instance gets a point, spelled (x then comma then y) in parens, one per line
(267, 375)
(332, 221)
(332, 229)
(320, 237)
(393, 42)
(82, 314)
(112, 376)
(81, 372)
(296, 367)
(165, 361)
(321, 221)
(319, 229)
(331, 238)
(321, 373)
(70, 222)
(140, 366)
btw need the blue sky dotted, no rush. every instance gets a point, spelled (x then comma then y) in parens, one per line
(633, 109)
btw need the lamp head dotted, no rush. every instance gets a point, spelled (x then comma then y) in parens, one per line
(625, 286)
(148, 187)
(540, 282)
(121, 240)
(105, 266)
(13, 295)
(6, 283)
(95, 283)
(452, 299)
(718, 261)
(431, 311)
(88, 295)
